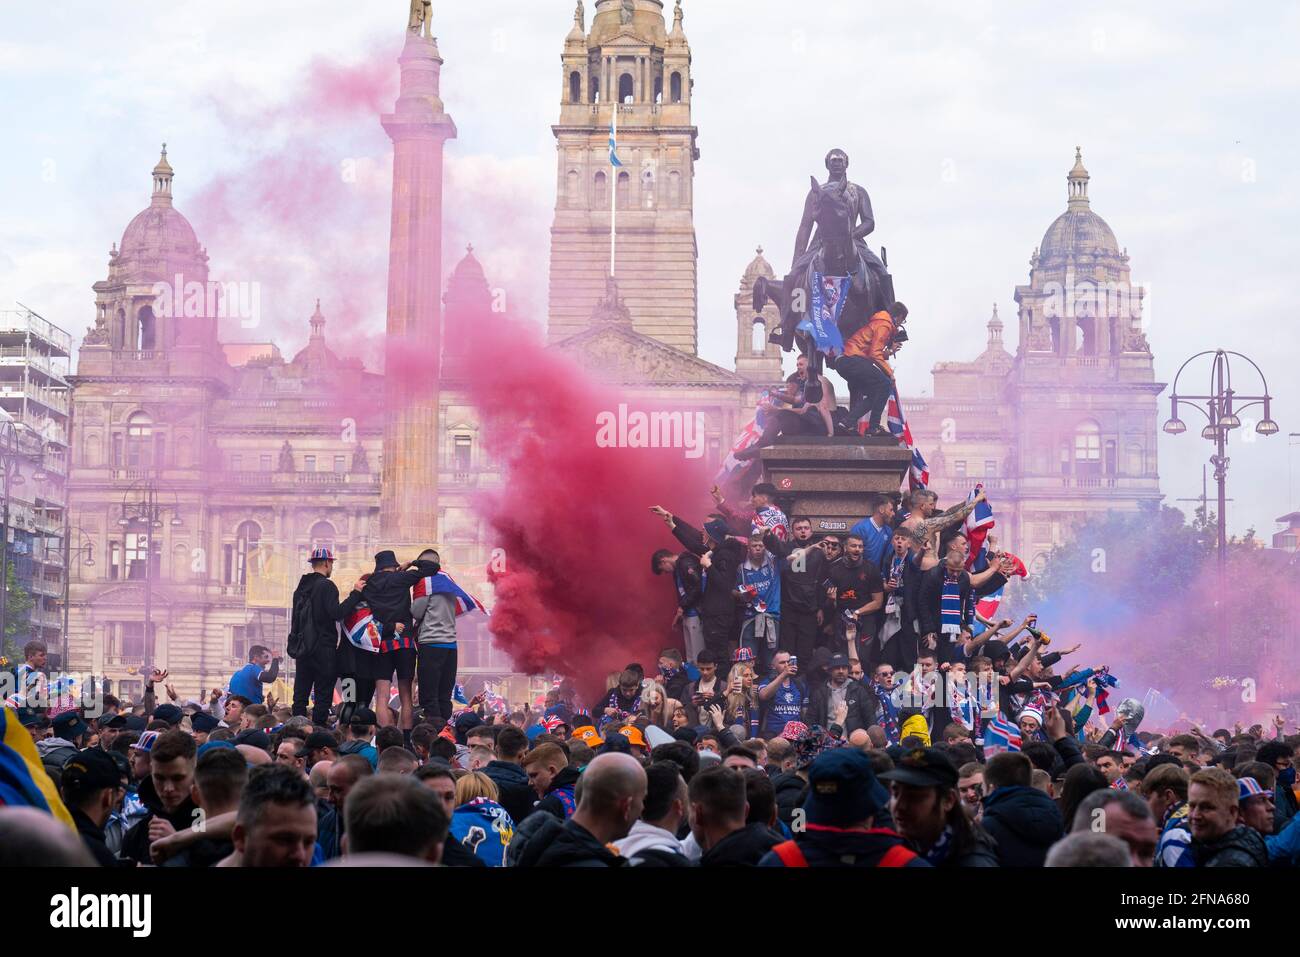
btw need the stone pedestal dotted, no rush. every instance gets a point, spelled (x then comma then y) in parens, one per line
(831, 479)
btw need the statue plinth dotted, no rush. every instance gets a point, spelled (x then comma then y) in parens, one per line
(830, 480)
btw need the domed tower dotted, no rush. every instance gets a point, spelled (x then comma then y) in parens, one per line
(630, 60)
(468, 298)
(156, 295)
(1082, 392)
(756, 359)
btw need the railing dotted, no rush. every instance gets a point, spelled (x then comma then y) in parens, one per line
(16, 321)
(265, 478)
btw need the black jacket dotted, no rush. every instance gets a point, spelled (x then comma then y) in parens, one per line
(551, 804)
(981, 852)
(1024, 822)
(92, 835)
(743, 848)
(790, 790)
(575, 846)
(930, 600)
(531, 839)
(721, 575)
(687, 569)
(321, 635)
(516, 795)
(861, 702)
(801, 591)
(1240, 847)
(388, 595)
(135, 844)
(855, 585)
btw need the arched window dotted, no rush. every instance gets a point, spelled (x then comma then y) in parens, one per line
(322, 535)
(624, 189)
(595, 89)
(758, 337)
(1133, 459)
(1087, 449)
(180, 563)
(1112, 463)
(659, 89)
(148, 330)
(626, 88)
(648, 188)
(575, 87)
(571, 188)
(674, 188)
(139, 441)
(675, 88)
(248, 537)
(94, 449)
(118, 330)
(601, 197)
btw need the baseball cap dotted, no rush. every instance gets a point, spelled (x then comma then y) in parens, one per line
(169, 713)
(203, 723)
(995, 650)
(68, 725)
(91, 768)
(363, 715)
(794, 730)
(633, 735)
(214, 746)
(117, 722)
(258, 739)
(589, 736)
(136, 722)
(923, 768)
(838, 661)
(321, 739)
(842, 789)
(147, 740)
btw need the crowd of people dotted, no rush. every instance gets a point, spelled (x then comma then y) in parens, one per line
(837, 703)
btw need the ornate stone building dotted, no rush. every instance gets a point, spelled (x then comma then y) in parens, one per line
(1066, 427)
(631, 62)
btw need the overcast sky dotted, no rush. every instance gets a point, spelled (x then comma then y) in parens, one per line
(961, 119)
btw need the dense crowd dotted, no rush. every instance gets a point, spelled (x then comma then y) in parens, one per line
(840, 702)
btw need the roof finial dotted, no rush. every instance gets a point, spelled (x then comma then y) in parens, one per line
(759, 249)
(162, 180)
(1077, 179)
(469, 249)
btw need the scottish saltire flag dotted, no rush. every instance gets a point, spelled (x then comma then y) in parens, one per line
(1001, 735)
(442, 584)
(978, 525)
(458, 694)
(362, 629)
(23, 781)
(613, 145)
(918, 475)
(829, 294)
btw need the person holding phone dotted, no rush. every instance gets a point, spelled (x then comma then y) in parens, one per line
(782, 697)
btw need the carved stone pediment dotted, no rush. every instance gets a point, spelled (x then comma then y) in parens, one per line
(616, 353)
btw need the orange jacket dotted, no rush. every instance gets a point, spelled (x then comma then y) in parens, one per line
(872, 340)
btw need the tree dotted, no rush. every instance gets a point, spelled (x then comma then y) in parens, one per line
(18, 608)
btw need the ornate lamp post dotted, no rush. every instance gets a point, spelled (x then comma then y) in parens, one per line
(1221, 408)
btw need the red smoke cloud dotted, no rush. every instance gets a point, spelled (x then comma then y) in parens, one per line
(576, 595)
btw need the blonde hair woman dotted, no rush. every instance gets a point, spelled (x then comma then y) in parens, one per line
(473, 785)
(742, 699)
(656, 706)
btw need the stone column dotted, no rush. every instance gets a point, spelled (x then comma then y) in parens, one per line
(418, 127)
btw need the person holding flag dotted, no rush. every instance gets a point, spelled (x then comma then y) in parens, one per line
(437, 602)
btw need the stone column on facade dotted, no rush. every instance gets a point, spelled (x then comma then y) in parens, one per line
(419, 127)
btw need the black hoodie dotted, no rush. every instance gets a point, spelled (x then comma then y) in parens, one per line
(388, 595)
(720, 577)
(322, 635)
(136, 843)
(1024, 822)
(743, 848)
(575, 846)
(552, 804)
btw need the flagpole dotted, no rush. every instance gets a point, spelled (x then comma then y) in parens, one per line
(613, 192)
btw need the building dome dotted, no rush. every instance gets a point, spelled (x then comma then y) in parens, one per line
(160, 242)
(1078, 231)
(758, 267)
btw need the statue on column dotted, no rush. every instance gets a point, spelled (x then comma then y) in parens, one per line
(360, 461)
(286, 457)
(580, 16)
(626, 13)
(419, 22)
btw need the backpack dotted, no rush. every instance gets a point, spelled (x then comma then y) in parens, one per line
(792, 856)
(302, 626)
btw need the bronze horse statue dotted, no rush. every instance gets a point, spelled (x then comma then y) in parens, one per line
(834, 253)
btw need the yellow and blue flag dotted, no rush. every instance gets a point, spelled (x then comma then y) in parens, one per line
(23, 781)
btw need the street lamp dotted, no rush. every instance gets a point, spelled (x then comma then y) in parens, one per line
(1221, 407)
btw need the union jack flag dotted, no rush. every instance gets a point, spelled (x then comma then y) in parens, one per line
(442, 584)
(978, 525)
(1001, 735)
(362, 629)
(749, 435)
(918, 476)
